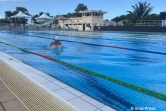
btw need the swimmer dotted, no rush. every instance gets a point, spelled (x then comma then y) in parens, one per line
(56, 43)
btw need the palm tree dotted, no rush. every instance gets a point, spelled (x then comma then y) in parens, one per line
(141, 10)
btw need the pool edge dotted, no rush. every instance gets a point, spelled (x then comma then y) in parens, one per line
(18, 65)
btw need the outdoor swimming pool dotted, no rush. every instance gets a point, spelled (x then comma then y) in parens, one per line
(136, 58)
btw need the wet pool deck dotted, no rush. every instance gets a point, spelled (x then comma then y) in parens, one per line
(53, 86)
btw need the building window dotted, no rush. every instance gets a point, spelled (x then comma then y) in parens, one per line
(87, 25)
(87, 14)
(90, 14)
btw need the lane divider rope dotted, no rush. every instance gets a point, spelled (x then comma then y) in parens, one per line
(104, 38)
(102, 76)
(108, 46)
(131, 41)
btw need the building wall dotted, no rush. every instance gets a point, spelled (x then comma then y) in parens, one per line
(86, 21)
(89, 21)
(79, 27)
(110, 23)
(61, 23)
(97, 21)
(120, 23)
(92, 21)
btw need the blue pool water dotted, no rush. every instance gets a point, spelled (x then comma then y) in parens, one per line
(136, 58)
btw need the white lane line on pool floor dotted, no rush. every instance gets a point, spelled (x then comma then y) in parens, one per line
(75, 97)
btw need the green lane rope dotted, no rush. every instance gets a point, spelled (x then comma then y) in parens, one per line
(116, 81)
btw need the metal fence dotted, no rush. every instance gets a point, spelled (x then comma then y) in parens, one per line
(19, 27)
(148, 22)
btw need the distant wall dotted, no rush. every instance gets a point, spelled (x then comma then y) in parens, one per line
(131, 28)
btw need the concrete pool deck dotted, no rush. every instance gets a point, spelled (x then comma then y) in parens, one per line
(8, 101)
(71, 97)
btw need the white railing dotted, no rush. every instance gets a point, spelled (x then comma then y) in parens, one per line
(148, 23)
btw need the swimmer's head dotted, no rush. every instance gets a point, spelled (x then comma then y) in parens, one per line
(56, 38)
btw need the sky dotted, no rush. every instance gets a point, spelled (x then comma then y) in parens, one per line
(113, 7)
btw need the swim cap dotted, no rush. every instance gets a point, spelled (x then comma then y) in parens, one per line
(56, 38)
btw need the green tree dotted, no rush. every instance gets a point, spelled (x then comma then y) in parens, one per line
(130, 19)
(162, 15)
(37, 15)
(33, 18)
(75, 14)
(119, 18)
(80, 7)
(23, 9)
(4, 21)
(153, 17)
(141, 10)
(69, 15)
(48, 14)
(64, 15)
(40, 13)
(8, 14)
